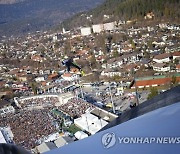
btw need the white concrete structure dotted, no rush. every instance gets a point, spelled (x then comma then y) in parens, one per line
(90, 123)
(2, 139)
(63, 98)
(85, 31)
(40, 104)
(80, 135)
(109, 26)
(6, 135)
(98, 28)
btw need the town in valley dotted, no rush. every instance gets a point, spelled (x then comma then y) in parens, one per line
(125, 63)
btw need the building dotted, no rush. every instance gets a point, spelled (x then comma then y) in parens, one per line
(103, 114)
(80, 135)
(69, 76)
(6, 135)
(97, 28)
(149, 15)
(63, 140)
(53, 76)
(154, 82)
(90, 123)
(162, 58)
(156, 119)
(161, 67)
(39, 79)
(109, 73)
(23, 78)
(109, 26)
(2, 139)
(85, 31)
(178, 68)
(44, 147)
(176, 55)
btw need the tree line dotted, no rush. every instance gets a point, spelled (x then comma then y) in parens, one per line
(128, 10)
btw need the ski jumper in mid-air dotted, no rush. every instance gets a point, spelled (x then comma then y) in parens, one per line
(70, 63)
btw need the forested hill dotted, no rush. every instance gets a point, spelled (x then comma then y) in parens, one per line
(23, 16)
(127, 10)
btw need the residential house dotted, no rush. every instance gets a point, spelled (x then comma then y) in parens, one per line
(104, 65)
(162, 58)
(39, 79)
(69, 76)
(110, 73)
(37, 58)
(126, 49)
(53, 76)
(131, 67)
(161, 67)
(99, 58)
(112, 63)
(176, 55)
(131, 58)
(178, 68)
(23, 78)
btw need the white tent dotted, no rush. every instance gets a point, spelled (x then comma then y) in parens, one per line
(80, 135)
(90, 123)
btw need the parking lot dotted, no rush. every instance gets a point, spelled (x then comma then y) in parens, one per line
(103, 96)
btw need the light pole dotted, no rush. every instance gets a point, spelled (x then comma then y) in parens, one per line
(134, 76)
(111, 99)
(81, 91)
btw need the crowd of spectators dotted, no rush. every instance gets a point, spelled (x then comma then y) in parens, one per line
(28, 126)
(38, 101)
(75, 107)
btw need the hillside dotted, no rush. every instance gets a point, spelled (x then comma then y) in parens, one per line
(127, 10)
(21, 16)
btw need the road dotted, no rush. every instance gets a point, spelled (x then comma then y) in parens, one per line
(121, 103)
